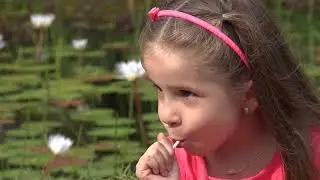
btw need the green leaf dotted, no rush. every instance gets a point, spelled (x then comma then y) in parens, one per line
(19, 148)
(26, 79)
(313, 71)
(32, 129)
(120, 132)
(153, 116)
(26, 69)
(113, 122)
(93, 114)
(20, 174)
(31, 159)
(156, 126)
(82, 152)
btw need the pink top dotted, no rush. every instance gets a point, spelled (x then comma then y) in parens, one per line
(193, 167)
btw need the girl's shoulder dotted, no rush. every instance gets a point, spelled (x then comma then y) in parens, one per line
(315, 137)
(315, 141)
(192, 167)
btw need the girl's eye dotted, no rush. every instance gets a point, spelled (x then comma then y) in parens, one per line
(185, 93)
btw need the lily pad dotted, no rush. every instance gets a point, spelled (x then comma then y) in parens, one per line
(14, 147)
(59, 162)
(13, 106)
(22, 144)
(113, 122)
(8, 88)
(99, 78)
(32, 129)
(9, 152)
(28, 62)
(4, 122)
(149, 97)
(23, 133)
(20, 174)
(98, 114)
(95, 54)
(110, 89)
(27, 159)
(97, 170)
(83, 152)
(68, 89)
(27, 69)
(38, 125)
(153, 135)
(313, 71)
(105, 167)
(130, 157)
(120, 132)
(151, 117)
(130, 147)
(104, 146)
(156, 126)
(27, 79)
(27, 95)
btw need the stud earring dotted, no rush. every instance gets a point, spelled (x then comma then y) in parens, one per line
(246, 110)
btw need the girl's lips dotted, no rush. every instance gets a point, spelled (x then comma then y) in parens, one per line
(175, 139)
(180, 144)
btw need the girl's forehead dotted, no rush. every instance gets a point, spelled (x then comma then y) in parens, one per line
(165, 64)
(160, 59)
(170, 57)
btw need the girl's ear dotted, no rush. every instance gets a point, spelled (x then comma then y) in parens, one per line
(250, 100)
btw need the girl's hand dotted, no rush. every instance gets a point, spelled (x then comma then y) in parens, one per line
(158, 162)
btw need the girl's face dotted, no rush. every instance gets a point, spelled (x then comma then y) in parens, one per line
(202, 112)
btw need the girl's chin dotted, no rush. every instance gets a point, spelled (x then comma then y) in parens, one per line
(195, 149)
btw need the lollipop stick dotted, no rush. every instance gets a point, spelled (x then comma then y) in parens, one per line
(175, 144)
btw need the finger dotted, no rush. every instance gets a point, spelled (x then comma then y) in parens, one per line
(168, 158)
(166, 142)
(153, 165)
(161, 136)
(142, 168)
(161, 161)
(156, 159)
(169, 154)
(170, 151)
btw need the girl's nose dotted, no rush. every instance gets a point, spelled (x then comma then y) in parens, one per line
(169, 115)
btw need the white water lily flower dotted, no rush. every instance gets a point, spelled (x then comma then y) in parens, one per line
(42, 20)
(130, 70)
(59, 144)
(2, 43)
(79, 43)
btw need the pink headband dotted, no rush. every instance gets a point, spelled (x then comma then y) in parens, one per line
(155, 13)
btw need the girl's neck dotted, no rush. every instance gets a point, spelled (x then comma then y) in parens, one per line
(251, 142)
(249, 133)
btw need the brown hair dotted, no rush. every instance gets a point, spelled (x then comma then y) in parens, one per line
(279, 84)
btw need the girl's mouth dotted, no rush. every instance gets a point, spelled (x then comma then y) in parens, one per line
(178, 143)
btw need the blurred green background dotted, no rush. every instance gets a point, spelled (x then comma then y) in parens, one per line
(50, 86)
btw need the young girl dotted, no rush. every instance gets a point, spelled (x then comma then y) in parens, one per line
(230, 92)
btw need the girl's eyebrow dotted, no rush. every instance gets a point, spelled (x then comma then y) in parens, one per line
(178, 87)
